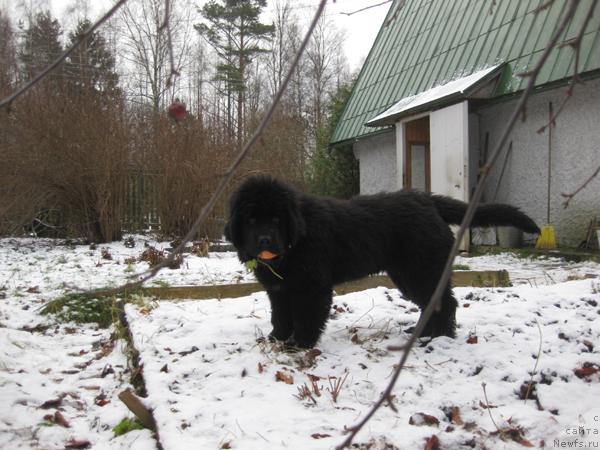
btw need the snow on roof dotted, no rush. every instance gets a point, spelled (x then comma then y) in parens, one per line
(447, 91)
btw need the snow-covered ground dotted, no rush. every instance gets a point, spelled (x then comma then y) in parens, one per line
(212, 386)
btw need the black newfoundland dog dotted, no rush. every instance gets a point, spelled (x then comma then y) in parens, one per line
(304, 244)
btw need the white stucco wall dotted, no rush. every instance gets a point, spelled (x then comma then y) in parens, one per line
(575, 155)
(377, 157)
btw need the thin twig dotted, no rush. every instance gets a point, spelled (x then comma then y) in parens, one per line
(575, 44)
(537, 361)
(395, 13)
(58, 61)
(489, 408)
(445, 277)
(365, 8)
(570, 196)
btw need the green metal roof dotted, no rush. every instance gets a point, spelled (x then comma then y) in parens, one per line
(425, 43)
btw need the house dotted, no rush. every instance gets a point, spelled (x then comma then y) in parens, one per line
(437, 89)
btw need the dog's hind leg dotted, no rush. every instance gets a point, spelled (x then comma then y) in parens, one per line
(419, 289)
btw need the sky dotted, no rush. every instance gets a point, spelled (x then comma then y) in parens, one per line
(361, 27)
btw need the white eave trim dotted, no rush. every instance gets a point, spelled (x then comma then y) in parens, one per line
(455, 89)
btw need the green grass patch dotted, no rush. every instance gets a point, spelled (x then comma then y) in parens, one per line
(461, 267)
(127, 425)
(81, 308)
(88, 308)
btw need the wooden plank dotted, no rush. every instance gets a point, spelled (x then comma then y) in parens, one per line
(461, 278)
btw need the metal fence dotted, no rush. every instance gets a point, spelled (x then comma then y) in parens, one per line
(142, 199)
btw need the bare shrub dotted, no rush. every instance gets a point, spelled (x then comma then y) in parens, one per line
(189, 161)
(66, 152)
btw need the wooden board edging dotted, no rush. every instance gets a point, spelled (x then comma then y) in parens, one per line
(487, 278)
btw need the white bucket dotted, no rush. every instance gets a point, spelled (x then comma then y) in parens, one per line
(509, 237)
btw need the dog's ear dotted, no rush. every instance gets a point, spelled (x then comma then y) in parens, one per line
(296, 223)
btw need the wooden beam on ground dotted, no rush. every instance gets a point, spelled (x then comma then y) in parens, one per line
(486, 278)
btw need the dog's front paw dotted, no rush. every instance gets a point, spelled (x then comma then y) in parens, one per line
(294, 342)
(279, 335)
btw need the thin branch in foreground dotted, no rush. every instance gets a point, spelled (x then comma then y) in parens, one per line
(575, 44)
(489, 407)
(365, 8)
(570, 196)
(58, 61)
(208, 207)
(394, 16)
(470, 212)
(537, 361)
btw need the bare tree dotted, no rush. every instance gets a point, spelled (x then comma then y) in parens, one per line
(285, 36)
(147, 50)
(326, 69)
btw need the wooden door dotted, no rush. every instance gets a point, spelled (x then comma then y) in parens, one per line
(417, 155)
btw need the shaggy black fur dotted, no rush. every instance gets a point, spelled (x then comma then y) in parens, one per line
(323, 241)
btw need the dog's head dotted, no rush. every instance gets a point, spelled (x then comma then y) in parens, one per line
(265, 220)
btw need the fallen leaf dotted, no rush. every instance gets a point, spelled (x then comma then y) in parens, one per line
(319, 436)
(286, 378)
(59, 419)
(77, 443)
(432, 443)
(472, 339)
(456, 416)
(33, 290)
(54, 403)
(587, 370)
(486, 406)
(100, 400)
(313, 352)
(261, 368)
(420, 419)
(187, 352)
(355, 339)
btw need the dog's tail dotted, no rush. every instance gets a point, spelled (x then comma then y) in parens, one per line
(493, 214)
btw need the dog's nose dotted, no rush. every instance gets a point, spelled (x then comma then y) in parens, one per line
(264, 240)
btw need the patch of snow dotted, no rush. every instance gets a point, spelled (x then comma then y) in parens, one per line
(210, 383)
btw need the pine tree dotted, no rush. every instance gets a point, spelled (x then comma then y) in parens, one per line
(41, 46)
(8, 53)
(233, 29)
(334, 171)
(91, 68)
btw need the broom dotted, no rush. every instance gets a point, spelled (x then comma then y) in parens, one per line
(547, 239)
